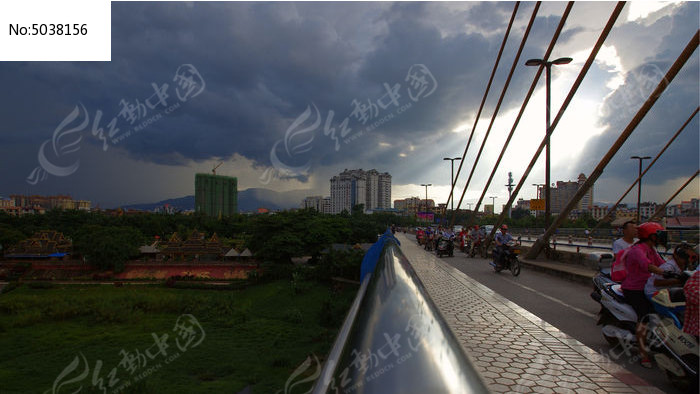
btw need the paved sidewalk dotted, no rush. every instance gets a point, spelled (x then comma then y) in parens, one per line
(514, 350)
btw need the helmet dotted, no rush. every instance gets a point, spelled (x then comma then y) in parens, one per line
(504, 227)
(645, 230)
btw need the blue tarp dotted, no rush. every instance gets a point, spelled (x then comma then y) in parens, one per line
(372, 255)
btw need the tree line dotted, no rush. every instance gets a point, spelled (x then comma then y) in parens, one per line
(107, 241)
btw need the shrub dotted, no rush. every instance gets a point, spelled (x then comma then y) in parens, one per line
(293, 316)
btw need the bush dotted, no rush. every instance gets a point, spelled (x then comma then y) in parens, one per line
(293, 316)
(276, 271)
(299, 282)
(344, 264)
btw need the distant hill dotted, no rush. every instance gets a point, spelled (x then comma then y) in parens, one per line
(248, 200)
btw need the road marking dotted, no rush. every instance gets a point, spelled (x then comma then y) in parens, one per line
(579, 310)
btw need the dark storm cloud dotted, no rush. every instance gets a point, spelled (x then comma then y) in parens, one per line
(671, 110)
(263, 65)
(266, 63)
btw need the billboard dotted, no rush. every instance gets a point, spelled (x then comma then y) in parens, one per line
(426, 217)
(537, 204)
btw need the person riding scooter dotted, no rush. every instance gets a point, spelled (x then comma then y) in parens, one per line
(640, 262)
(502, 240)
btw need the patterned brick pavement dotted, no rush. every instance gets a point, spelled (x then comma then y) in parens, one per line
(514, 350)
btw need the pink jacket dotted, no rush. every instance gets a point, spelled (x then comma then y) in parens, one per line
(637, 262)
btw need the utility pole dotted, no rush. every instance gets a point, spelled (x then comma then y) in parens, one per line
(510, 190)
(548, 84)
(426, 194)
(493, 203)
(452, 180)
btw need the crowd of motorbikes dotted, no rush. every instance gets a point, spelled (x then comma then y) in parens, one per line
(470, 241)
(675, 352)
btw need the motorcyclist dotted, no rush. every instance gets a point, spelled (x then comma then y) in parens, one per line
(683, 257)
(641, 261)
(502, 239)
(473, 238)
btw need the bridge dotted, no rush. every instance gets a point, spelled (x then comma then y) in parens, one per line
(419, 325)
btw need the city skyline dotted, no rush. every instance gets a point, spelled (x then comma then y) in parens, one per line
(244, 107)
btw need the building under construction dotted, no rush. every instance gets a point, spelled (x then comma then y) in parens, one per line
(215, 195)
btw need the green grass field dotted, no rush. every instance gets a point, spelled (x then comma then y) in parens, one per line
(257, 336)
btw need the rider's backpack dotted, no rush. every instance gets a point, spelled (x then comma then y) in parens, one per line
(618, 272)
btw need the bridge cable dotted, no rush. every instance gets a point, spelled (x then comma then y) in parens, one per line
(603, 35)
(483, 101)
(610, 212)
(505, 89)
(670, 75)
(515, 125)
(663, 207)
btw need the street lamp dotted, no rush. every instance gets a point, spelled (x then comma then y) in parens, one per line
(493, 203)
(426, 194)
(452, 179)
(639, 186)
(539, 187)
(548, 69)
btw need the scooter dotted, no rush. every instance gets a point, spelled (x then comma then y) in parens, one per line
(429, 243)
(618, 318)
(510, 260)
(445, 246)
(679, 355)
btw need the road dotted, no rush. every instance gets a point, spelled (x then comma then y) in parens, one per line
(564, 304)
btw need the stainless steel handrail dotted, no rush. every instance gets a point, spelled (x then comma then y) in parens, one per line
(394, 340)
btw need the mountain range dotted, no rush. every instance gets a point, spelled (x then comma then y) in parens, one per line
(248, 200)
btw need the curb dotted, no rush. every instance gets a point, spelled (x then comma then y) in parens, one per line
(573, 276)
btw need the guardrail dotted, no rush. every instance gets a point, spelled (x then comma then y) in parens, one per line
(394, 339)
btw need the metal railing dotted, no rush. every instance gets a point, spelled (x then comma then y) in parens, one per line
(394, 340)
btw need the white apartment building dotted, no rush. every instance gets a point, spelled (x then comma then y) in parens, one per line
(354, 187)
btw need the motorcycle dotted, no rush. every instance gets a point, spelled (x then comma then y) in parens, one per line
(618, 318)
(445, 246)
(429, 243)
(678, 356)
(509, 256)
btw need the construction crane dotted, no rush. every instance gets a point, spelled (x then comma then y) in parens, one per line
(213, 171)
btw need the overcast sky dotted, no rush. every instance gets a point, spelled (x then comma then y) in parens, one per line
(288, 94)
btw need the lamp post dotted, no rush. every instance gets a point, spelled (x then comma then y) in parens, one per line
(452, 179)
(426, 194)
(493, 203)
(548, 69)
(639, 186)
(539, 187)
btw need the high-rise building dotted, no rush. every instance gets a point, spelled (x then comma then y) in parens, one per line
(353, 187)
(414, 205)
(564, 191)
(313, 202)
(215, 195)
(326, 205)
(319, 203)
(384, 191)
